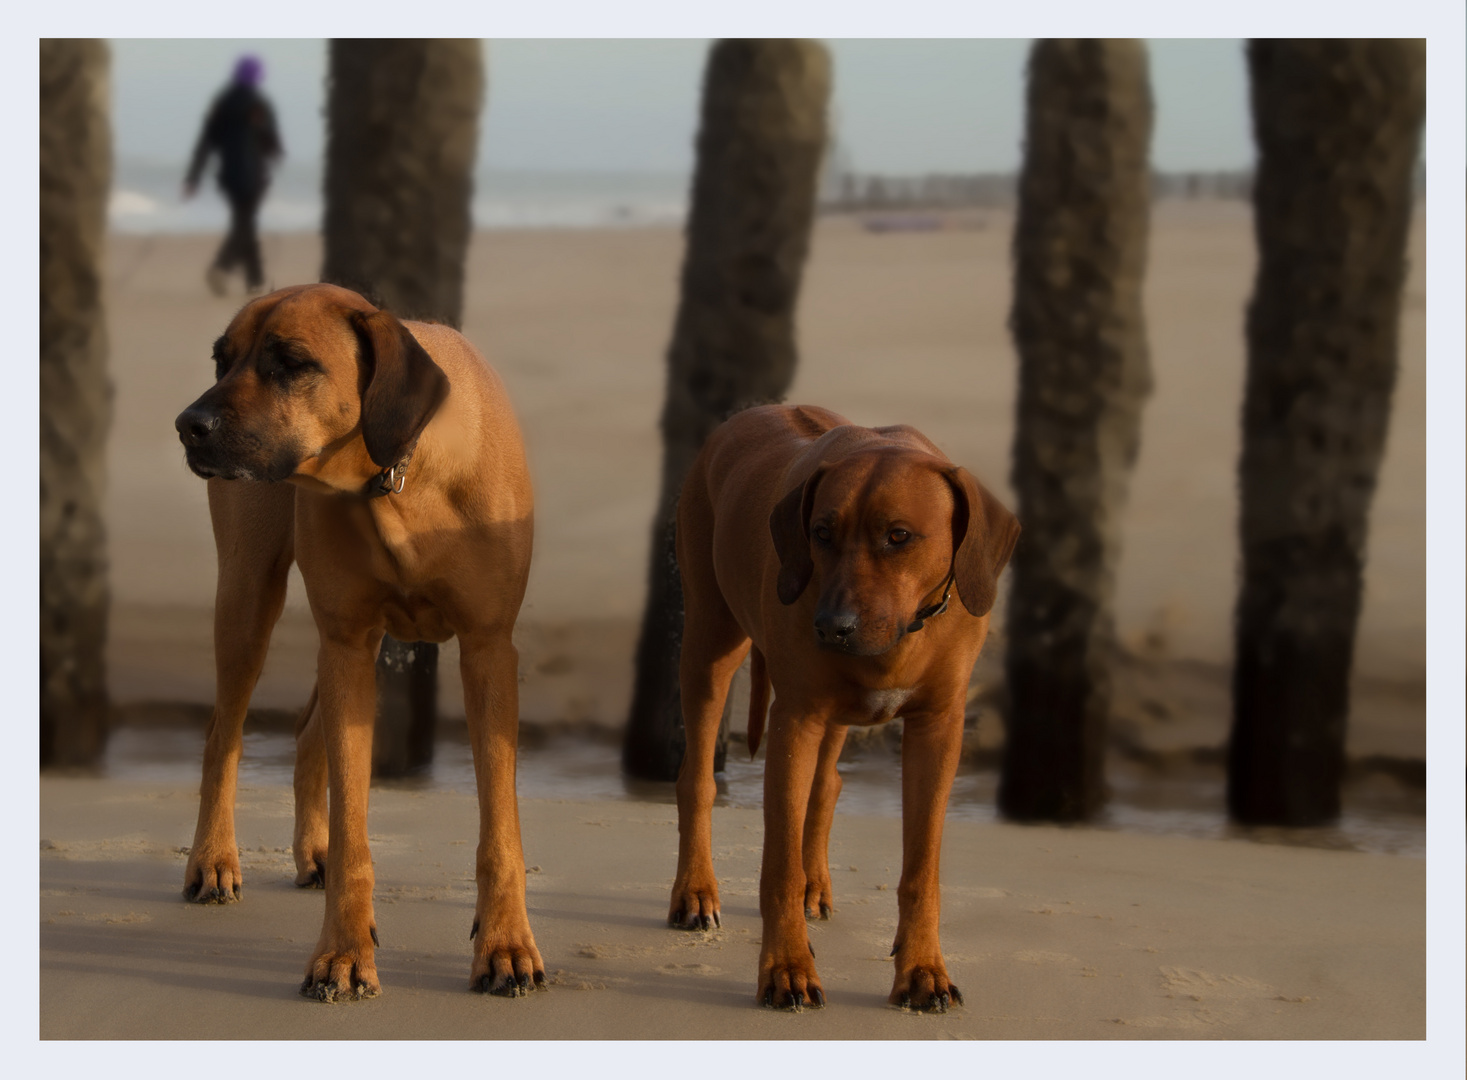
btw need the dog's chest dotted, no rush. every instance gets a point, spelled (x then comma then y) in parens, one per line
(413, 619)
(883, 705)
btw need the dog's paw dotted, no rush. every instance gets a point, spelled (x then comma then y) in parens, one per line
(923, 987)
(818, 901)
(310, 870)
(213, 876)
(345, 975)
(311, 835)
(694, 905)
(790, 984)
(506, 964)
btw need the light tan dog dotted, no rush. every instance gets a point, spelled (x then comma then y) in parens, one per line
(394, 474)
(833, 551)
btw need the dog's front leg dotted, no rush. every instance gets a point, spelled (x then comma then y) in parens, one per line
(506, 961)
(787, 976)
(824, 791)
(344, 965)
(253, 533)
(931, 746)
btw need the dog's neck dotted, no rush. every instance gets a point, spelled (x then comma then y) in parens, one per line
(340, 466)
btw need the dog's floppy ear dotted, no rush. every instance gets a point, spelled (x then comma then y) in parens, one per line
(404, 387)
(984, 534)
(790, 526)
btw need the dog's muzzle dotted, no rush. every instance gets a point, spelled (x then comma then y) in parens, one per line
(213, 448)
(836, 629)
(197, 426)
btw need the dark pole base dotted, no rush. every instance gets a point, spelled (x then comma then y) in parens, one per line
(407, 707)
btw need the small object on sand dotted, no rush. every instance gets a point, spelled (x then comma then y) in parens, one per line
(885, 223)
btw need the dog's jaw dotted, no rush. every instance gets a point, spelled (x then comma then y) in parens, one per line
(212, 472)
(243, 456)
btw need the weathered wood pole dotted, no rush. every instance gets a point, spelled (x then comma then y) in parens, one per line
(402, 132)
(76, 399)
(1338, 126)
(760, 141)
(1079, 260)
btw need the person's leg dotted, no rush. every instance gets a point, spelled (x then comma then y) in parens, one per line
(224, 259)
(249, 241)
(231, 249)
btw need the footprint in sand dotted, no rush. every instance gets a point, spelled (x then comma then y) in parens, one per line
(1039, 956)
(575, 980)
(1204, 984)
(690, 969)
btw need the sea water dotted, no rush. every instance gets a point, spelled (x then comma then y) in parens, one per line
(147, 197)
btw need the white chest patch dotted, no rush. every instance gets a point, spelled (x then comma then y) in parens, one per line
(886, 704)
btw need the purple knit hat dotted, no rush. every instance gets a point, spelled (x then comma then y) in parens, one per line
(248, 70)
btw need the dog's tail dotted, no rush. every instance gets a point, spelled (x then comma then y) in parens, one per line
(758, 698)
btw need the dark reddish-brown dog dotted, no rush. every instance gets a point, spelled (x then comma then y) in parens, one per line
(834, 550)
(394, 474)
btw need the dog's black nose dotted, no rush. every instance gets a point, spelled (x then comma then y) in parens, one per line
(835, 627)
(196, 425)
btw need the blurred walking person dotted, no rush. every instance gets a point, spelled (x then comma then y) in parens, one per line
(240, 128)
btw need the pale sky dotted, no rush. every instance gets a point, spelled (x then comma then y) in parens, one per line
(900, 106)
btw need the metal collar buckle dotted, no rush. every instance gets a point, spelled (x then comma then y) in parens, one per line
(387, 482)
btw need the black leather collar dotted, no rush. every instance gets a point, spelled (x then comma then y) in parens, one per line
(933, 610)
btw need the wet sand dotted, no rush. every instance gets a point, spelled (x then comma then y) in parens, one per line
(1050, 933)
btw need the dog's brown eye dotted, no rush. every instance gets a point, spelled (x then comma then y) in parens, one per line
(822, 533)
(897, 537)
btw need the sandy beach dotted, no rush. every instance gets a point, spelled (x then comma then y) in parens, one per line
(1052, 933)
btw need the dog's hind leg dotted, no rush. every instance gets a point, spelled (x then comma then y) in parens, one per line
(311, 823)
(713, 647)
(824, 791)
(758, 699)
(254, 530)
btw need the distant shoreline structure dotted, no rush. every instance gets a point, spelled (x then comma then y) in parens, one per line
(146, 198)
(852, 192)
(856, 192)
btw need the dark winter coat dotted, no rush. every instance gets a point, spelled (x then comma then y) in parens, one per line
(240, 128)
